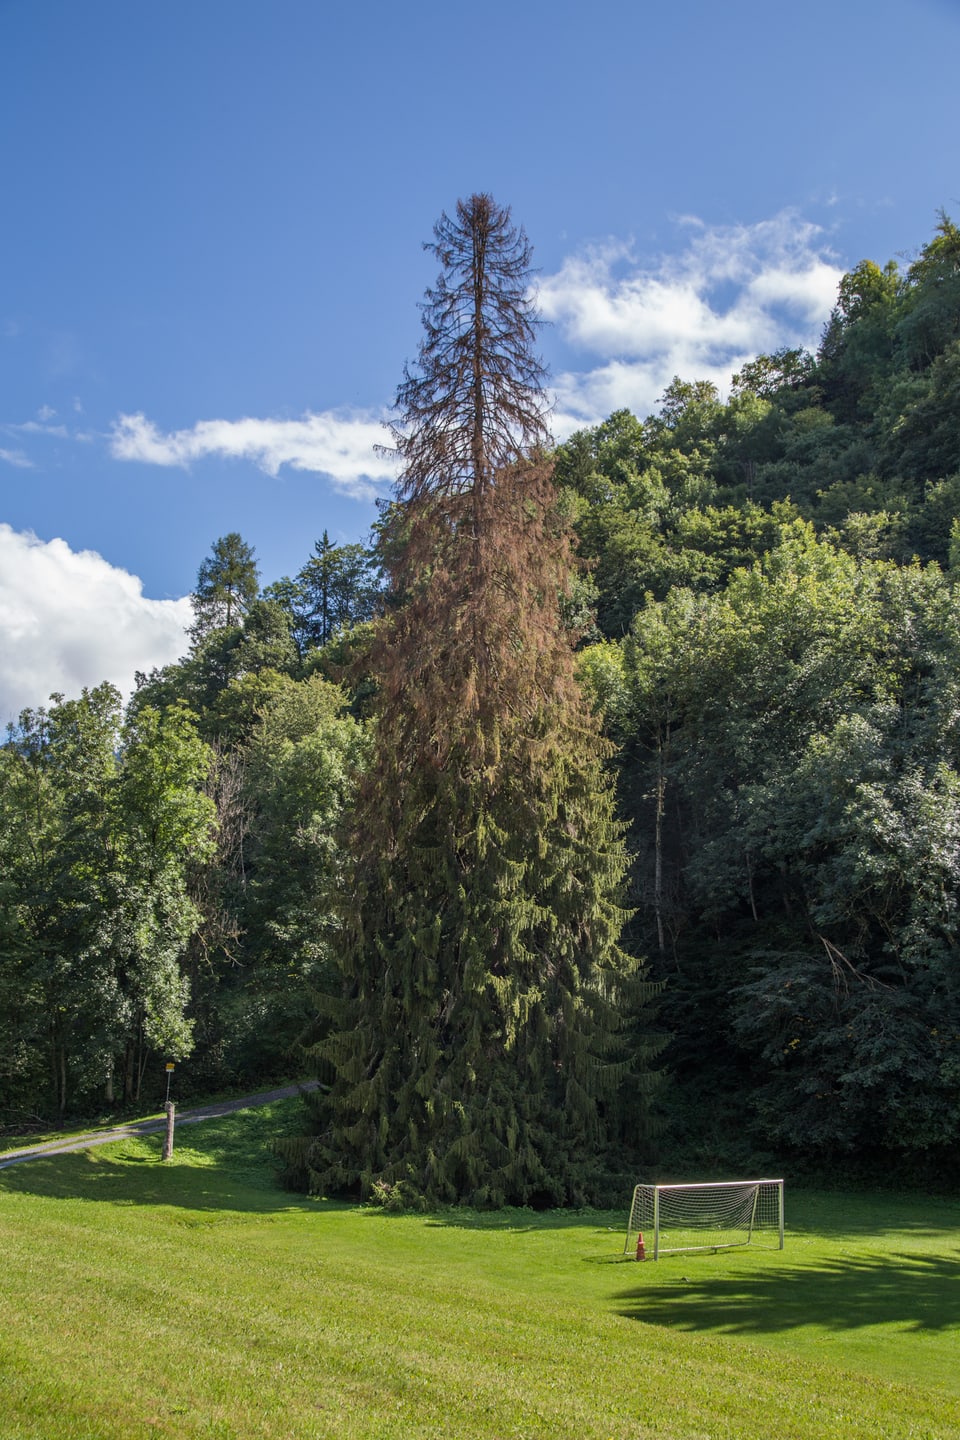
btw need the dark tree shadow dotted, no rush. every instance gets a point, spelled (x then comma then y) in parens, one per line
(917, 1292)
(518, 1219)
(240, 1175)
(826, 1213)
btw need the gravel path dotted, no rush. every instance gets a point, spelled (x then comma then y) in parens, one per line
(148, 1127)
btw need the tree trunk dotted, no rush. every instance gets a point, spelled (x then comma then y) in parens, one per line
(128, 1073)
(753, 903)
(63, 1084)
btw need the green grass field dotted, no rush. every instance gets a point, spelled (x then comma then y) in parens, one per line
(195, 1299)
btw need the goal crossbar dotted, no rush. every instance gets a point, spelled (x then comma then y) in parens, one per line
(707, 1215)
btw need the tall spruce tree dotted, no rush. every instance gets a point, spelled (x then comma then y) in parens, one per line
(477, 1049)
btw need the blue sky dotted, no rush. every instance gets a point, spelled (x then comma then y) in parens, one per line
(211, 251)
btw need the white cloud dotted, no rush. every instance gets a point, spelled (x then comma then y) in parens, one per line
(728, 294)
(733, 292)
(18, 458)
(70, 618)
(339, 444)
(34, 427)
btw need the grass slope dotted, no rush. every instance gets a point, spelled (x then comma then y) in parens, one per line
(194, 1299)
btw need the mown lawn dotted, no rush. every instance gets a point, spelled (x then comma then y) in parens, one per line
(196, 1299)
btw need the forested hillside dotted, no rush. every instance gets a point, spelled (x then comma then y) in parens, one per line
(767, 629)
(778, 663)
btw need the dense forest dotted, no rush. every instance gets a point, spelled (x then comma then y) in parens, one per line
(603, 812)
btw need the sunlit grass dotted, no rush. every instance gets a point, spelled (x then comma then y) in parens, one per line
(115, 1118)
(196, 1299)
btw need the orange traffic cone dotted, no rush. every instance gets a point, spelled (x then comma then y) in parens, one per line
(641, 1248)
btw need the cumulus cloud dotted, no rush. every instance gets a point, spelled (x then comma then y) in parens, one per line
(339, 444)
(731, 293)
(70, 619)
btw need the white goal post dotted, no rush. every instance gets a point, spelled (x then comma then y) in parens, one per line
(711, 1216)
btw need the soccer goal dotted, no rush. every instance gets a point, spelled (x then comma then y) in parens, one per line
(714, 1216)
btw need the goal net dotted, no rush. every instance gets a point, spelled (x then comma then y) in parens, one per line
(712, 1216)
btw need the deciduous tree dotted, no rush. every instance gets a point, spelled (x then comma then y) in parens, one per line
(100, 824)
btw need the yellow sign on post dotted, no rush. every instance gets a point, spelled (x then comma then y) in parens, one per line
(169, 1066)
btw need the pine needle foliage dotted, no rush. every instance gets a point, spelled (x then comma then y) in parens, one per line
(476, 1048)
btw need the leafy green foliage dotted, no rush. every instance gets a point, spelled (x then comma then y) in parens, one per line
(791, 755)
(300, 772)
(778, 671)
(101, 825)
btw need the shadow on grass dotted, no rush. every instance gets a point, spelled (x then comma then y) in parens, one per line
(223, 1164)
(138, 1180)
(914, 1292)
(520, 1221)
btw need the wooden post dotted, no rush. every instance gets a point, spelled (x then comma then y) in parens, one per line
(168, 1138)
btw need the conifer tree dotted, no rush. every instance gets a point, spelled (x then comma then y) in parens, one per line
(228, 583)
(475, 1048)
